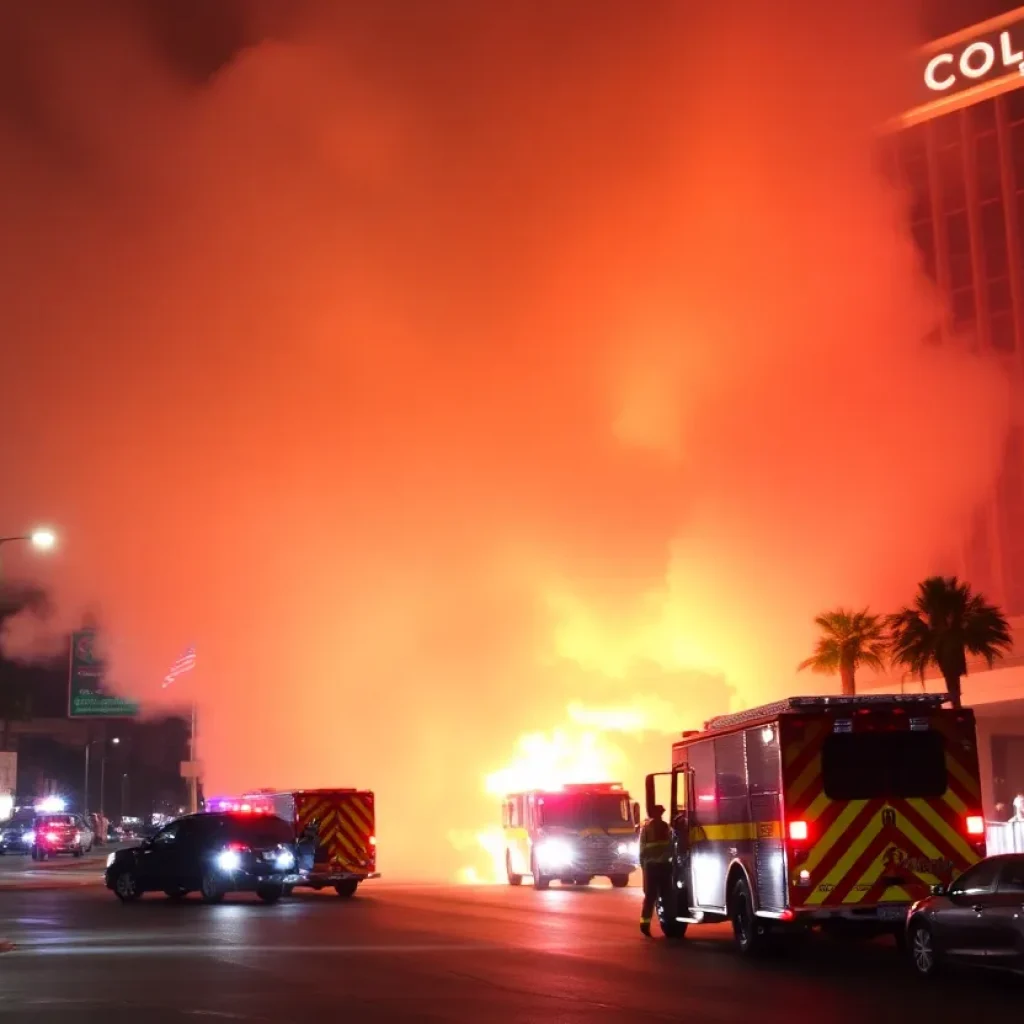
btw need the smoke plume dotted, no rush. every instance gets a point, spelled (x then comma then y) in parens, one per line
(457, 371)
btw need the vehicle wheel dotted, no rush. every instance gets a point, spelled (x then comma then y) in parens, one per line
(922, 950)
(270, 893)
(126, 887)
(513, 879)
(176, 895)
(41, 855)
(539, 881)
(35, 853)
(289, 889)
(77, 853)
(347, 889)
(211, 888)
(670, 927)
(749, 933)
(619, 881)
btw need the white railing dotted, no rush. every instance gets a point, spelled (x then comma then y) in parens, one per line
(1004, 837)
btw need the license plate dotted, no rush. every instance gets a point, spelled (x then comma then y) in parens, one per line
(892, 913)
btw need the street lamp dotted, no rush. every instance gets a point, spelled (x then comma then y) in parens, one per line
(42, 539)
(103, 771)
(103, 765)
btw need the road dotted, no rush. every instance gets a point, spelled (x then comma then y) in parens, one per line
(418, 953)
(19, 871)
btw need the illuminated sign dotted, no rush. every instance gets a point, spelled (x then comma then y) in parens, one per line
(976, 60)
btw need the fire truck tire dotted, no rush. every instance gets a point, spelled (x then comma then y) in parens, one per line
(347, 889)
(619, 881)
(539, 881)
(670, 927)
(513, 878)
(750, 935)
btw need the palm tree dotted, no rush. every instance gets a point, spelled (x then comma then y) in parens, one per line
(848, 640)
(946, 622)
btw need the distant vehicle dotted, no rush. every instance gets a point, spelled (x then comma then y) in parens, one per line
(571, 834)
(54, 834)
(212, 854)
(976, 921)
(820, 812)
(17, 835)
(334, 831)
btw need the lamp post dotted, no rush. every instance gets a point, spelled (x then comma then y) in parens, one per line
(124, 796)
(103, 772)
(103, 765)
(41, 539)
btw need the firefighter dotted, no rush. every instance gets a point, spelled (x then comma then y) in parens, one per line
(655, 862)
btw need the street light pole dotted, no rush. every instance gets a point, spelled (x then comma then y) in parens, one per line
(124, 795)
(103, 772)
(85, 788)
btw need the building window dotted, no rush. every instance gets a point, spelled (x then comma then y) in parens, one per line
(986, 162)
(1014, 101)
(964, 313)
(1003, 332)
(993, 239)
(982, 117)
(1017, 153)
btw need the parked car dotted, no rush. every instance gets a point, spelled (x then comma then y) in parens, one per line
(17, 835)
(978, 920)
(212, 854)
(61, 833)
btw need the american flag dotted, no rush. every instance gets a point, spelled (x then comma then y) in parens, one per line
(184, 664)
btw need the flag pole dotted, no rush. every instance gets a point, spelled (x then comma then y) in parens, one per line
(193, 788)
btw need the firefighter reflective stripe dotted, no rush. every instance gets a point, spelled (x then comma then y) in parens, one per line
(655, 841)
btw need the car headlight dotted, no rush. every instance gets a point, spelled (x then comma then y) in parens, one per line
(628, 849)
(110, 859)
(555, 853)
(285, 860)
(229, 860)
(29, 836)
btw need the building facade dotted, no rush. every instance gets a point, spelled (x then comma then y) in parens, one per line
(959, 154)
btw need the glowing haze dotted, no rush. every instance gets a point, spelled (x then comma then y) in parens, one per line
(488, 391)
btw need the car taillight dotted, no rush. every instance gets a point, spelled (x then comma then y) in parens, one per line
(51, 837)
(238, 847)
(975, 825)
(798, 831)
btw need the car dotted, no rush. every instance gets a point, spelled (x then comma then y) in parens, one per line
(18, 834)
(212, 854)
(976, 921)
(53, 834)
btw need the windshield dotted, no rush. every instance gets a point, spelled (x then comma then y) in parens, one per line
(585, 810)
(56, 819)
(873, 765)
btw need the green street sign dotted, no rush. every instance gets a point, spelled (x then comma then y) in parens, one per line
(86, 695)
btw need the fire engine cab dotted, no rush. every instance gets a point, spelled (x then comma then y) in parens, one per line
(571, 833)
(827, 812)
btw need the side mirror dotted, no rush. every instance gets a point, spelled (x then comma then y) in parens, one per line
(636, 813)
(938, 890)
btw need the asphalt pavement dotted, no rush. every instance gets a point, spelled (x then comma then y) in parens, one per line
(20, 871)
(420, 953)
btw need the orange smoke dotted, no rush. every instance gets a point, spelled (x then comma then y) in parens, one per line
(435, 374)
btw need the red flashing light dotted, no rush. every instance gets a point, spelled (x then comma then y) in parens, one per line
(786, 915)
(798, 831)
(238, 847)
(975, 825)
(373, 840)
(51, 837)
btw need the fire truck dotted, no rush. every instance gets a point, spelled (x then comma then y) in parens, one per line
(834, 813)
(340, 823)
(570, 833)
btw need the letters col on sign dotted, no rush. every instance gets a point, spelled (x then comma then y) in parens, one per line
(975, 61)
